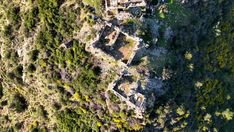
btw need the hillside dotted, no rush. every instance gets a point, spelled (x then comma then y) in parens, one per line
(103, 65)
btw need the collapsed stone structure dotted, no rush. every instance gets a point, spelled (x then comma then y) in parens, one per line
(117, 44)
(117, 8)
(123, 4)
(129, 88)
(114, 45)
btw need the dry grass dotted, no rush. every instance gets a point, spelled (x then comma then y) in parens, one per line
(128, 48)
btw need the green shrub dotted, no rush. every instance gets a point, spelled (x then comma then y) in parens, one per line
(19, 71)
(41, 40)
(11, 75)
(56, 75)
(7, 55)
(34, 55)
(31, 18)
(12, 55)
(42, 112)
(18, 103)
(56, 106)
(13, 14)
(7, 32)
(74, 120)
(19, 125)
(32, 68)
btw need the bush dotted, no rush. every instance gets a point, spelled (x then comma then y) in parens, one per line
(19, 71)
(7, 54)
(17, 80)
(42, 112)
(7, 32)
(19, 125)
(31, 68)
(56, 106)
(34, 55)
(56, 75)
(12, 56)
(18, 103)
(13, 14)
(30, 19)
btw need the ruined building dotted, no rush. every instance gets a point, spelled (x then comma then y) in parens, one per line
(118, 8)
(117, 44)
(114, 45)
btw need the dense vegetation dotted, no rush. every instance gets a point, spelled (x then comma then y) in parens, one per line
(63, 66)
(203, 71)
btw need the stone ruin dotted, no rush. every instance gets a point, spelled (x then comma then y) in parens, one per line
(113, 44)
(117, 44)
(117, 8)
(124, 4)
(129, 90)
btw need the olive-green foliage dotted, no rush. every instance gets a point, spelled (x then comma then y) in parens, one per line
(56, 106)
(18, 125)
(93, 120)
(75, 120)
(146, 36)
(132, 25)
(18, 103)
(76, 58)
(35, 126)
(30, 19)
(213, 62)
(55, 19)
(31, 68)
(7, 32)
(55, 53)
(219, 63)
(15, 70)
(58, 25)
(45, 40)
(34, 55)
(13, 14)
(42, 112)
(15, 75)
(48, 12)
(13, 78)
(68, 20)
(12, 55)
(113, 97)
(18, 71)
